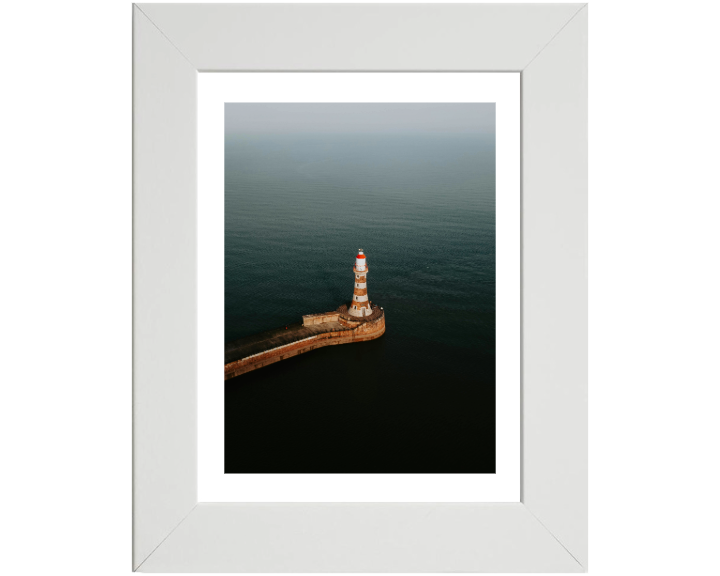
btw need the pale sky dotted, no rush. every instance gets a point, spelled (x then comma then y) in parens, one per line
(360, 118)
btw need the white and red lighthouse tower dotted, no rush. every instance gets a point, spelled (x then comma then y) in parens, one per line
(360, 305)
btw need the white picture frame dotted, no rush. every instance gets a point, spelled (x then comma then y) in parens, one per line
(547, 530)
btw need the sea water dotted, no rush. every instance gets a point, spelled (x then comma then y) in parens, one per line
(421, 398)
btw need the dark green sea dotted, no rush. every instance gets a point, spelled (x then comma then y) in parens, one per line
(420, 399)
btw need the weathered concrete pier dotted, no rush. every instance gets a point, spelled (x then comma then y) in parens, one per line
(357, 322)
(316, 330)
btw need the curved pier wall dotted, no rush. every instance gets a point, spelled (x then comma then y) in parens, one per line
(359, 333)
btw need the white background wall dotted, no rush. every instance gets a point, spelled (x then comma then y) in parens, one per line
(65, 263)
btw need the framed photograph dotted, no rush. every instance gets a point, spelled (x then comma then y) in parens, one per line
(437, 176)
(360, 288)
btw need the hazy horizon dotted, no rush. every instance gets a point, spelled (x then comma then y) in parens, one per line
(360, 118)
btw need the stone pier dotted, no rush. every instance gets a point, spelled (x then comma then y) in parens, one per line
(316, 330)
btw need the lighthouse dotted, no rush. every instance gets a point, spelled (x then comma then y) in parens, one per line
(360, 305)
(359, 321)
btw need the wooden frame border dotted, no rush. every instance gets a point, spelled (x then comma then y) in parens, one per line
(547, 531)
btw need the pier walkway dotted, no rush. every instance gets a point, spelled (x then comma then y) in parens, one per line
(316, 330)
(257, 343)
